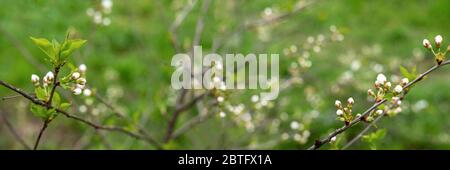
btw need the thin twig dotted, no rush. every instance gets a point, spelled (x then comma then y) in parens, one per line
(13, 96)
(319, 143)
(41, 132)
(55, 84)
(363, 131)
(176, 113)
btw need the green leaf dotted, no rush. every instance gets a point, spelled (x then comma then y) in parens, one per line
(411, 75)
(56, 100)
(41, 94)
(374, 137)
(64, 106)
(45, 46)
(39, 111)
(69, 46)
(405, 72)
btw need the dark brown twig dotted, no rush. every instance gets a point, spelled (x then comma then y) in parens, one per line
(41, 132)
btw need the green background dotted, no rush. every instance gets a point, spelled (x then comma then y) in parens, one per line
(129, 63)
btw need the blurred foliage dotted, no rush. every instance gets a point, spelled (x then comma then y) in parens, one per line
(128, 59)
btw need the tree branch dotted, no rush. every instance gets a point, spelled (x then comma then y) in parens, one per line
(319, 143)
(41, 132)
(147, 138)
(176, 113)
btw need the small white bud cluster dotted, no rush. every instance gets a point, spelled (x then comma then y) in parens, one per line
(78, 77)
(344, 113)
(439, 56)
(437, 41)
(381, 80)
(383, 87)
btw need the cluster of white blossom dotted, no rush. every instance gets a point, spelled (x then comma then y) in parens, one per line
(439, 55)
(344, 113)
(79, 80)
(46, 82)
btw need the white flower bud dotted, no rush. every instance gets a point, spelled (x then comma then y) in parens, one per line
(333, 139)
(381, 78)
(35, 79)
(220, 99)
(370, 92)
(379, 112)
(337, 103)
(339, 112)
(87, 92)
(358, 115)
(350, 100)
(388, 84)
(49, 76)
(82, 68)
(426, 43)
(438, 40)
(405, 81)
(377, 83)
(398, 89)
(77, 91)
(81, 86)
(81, 81)
(75, 75)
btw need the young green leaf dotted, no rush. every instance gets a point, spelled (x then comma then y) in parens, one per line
(64, 106)
(70, 46)
(56, 100)
(39, 111)
(45, 46)
(374, 137)
(41, 94)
